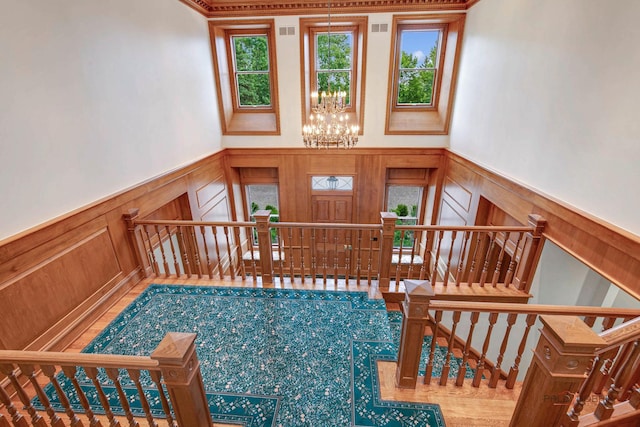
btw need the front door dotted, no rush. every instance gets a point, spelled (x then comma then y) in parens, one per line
(333, 246)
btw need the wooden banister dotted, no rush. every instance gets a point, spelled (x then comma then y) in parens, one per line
(264, 245)
(388, 220)
(561, 359)
(531, 253)
(173, 365)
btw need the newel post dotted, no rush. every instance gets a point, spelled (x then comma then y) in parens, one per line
(531, 253)
(559, 366)
(264, 245)
(415, 314)
(136, 240)
(180, 369)
(386, 247)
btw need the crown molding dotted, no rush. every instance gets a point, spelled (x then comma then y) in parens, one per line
(244, 8)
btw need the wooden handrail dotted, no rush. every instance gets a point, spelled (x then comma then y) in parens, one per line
(78, 359)
(195, 223)
(494, 307)
(620, 334)
(481, 228)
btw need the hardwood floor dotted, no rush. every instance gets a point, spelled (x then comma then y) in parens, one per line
(461, 406)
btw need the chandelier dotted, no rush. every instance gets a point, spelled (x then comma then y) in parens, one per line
(328, 124)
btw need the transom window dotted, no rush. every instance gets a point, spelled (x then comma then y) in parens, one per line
(251, 70)
(417, 65)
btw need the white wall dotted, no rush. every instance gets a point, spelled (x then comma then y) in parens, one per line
(96, 96)
(549, 94)
(377, 75)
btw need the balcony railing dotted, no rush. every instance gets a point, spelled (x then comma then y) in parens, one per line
(450, 257)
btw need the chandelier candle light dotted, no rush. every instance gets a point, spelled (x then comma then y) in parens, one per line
(328, 123)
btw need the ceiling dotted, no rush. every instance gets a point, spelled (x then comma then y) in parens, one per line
(239, 8)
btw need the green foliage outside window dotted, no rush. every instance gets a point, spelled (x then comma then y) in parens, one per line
(416, 79)
(252, 70)
(405, 217)
(334, 63)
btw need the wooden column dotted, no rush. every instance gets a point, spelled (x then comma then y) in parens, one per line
(264, 245)
(386, 247)
(560, 362)
(136, 241)
(531, 254)
(415, 314)
(180, 368)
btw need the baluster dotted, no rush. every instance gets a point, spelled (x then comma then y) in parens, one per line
(29, 372)
(92, 374)
(434, 273)
(347, 258)
(446, 273)
(467, 347)
(452, 339)
(134, 374)
(196, 251)
(370, 258)
(164, 257)
(335, 257)
(605, 373)
(415, 250)
(156, 377)
(314, 255)
(114, 376)
(203, 232)
(512, 264)
(487, 258)
(302, 254)
(186, 265)
(493, 317)
(176, 264)
(240, 268)
(291, 263)
(36, 419)
(16, 417)
(432, 351)
(399, 263)
(425, 268)
(4, 422)
(152, 254)
(474, 259)
(608, 322)
(280, 242)
(232, 271)
(358, 256)
(70, 372)
(324, 256)
(495, 374)
(513, 372)
(496, 271)
(461, 257)
(216, 246)
(605, 407)
(572, 418)
(589, 321)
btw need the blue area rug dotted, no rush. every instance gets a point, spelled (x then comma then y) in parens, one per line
(269, 357)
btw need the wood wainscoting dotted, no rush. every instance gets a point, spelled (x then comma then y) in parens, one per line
(470, 191)
(57, 278)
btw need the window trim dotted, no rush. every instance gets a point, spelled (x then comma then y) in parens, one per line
(236, 120)
(308, 28)
(434, 120)
(442, 46)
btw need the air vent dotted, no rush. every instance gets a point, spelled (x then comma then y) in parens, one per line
(287, 31)
(379, 28)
